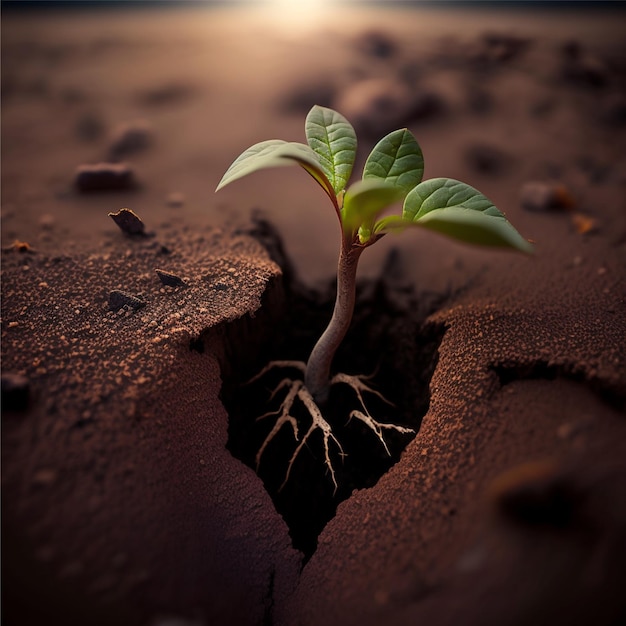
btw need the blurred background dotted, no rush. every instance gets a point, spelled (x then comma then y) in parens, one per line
(499, 94)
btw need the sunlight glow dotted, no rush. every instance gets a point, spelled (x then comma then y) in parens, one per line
(297, 11)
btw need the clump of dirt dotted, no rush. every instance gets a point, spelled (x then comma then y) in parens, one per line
(388, 340)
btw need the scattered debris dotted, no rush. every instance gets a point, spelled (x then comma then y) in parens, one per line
(119, 299)
(104, 177)
(130, 138)
(169, 279)
(542, 197)
(129, 222)
(15, 391)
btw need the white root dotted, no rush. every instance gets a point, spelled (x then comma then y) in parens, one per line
(297, 390)
(285, 416)
(299, 365)
(378, 427)
(327, 433)
(356, 383)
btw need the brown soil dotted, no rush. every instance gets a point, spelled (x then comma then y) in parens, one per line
(124, 499)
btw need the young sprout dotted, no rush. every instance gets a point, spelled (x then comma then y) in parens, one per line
(392, 173)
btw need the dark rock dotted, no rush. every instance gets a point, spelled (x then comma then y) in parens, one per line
(582, 67)
(119, 299)
(104, 177)
(169, 279)
(379, 105)
(373, 106)
(377, 44)
(496, 48)
(487, 159)
(541, 197)
(130, 139)
(15, 392)
(129, 222)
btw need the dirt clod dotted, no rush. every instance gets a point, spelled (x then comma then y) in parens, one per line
(104, 177)
(543, 197)
(119, 299)
(130, 138)
(129, 222)
(169, 279)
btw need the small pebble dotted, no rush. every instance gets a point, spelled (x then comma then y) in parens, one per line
(375, 105)
(584, 224)
(543, 197)
(119, 299)
(104, 177)
(130, 139)
(169, 279)
(128, 221)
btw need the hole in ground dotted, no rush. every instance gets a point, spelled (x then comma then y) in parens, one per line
(387, 339)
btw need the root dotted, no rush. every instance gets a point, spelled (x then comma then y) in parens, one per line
(356, 383)
(378, 427)
(298, 391)
(299, 365)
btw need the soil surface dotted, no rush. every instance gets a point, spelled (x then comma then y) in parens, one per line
(129, 490)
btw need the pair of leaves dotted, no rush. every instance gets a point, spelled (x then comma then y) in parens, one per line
(328, 157)
(393, 172)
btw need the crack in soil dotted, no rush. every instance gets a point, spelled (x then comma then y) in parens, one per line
(388, 338)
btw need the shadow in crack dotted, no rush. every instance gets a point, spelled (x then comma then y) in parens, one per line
(388, 339)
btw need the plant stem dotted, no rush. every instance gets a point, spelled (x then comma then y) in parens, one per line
(317, 375)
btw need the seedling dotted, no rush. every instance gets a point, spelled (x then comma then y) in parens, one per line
(392, 174)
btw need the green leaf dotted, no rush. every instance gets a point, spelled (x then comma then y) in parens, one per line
(457, 210)
(396, 159)
(363, 202)
(333, 139)
(276, 153)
